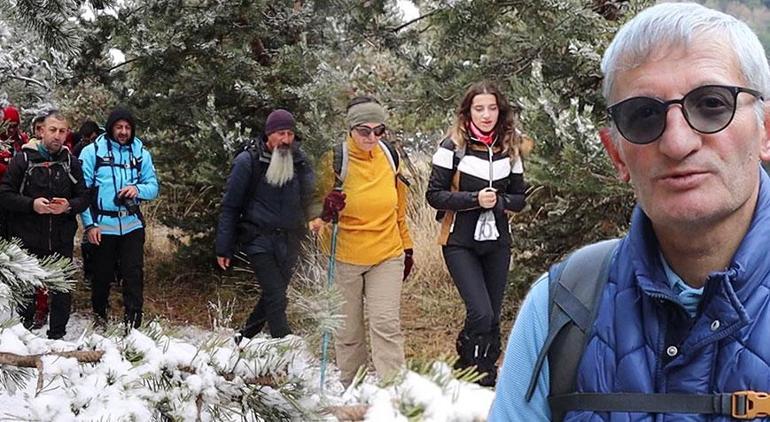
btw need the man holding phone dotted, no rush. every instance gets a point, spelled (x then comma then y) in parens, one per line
(43, 191)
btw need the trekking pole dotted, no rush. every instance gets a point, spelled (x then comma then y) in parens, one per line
(329, 284)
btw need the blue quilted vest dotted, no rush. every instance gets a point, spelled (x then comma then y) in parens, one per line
(643, 340)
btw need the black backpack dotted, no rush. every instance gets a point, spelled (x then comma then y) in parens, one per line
(67, 166)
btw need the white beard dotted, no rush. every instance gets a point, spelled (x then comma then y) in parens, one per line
(281, 167)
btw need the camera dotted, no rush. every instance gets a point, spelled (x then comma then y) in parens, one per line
(131, 204)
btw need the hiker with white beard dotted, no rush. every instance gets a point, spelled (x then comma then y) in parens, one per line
(267, 201)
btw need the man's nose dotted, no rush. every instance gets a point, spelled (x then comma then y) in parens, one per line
(678, 140)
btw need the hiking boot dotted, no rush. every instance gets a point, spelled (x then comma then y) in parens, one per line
(489, 349)
(55, 335)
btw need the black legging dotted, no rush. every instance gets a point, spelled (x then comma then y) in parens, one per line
(480, 275)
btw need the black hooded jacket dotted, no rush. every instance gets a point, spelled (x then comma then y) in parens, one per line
(60, 176)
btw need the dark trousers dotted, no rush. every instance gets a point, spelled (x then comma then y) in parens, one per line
(128, 252)
(480, 275)
(59, 310)
(273, 274)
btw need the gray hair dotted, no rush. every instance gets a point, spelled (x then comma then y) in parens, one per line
(677, 24)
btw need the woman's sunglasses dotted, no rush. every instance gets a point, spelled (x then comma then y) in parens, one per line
(707, 109)
(365, 131)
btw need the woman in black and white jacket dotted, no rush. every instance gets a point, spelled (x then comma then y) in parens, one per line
(476, 178)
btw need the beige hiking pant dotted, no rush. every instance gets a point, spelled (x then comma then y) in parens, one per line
(378, 289)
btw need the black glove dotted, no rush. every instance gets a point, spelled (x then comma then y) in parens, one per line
(408, 261)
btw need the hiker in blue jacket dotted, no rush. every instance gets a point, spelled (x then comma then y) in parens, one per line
(119, 170)
(684, 307)
(265, 209)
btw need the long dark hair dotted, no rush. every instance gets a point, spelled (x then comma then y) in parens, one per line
(507, 119)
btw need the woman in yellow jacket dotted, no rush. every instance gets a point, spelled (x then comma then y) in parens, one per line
(374, 249)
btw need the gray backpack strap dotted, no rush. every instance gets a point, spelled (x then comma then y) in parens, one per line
(340, 161)
(574, 288)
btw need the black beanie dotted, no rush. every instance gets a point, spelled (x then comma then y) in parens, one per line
(279, 119)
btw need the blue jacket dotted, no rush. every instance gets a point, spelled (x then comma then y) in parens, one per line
(531, 329)
(270, 211)
(643, 339)
(109, 179)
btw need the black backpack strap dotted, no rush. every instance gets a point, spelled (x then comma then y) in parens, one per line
(258, 169)
(739, 405)
(340, 160)
(574, 287)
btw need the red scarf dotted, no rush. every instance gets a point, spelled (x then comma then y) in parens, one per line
(487, 139)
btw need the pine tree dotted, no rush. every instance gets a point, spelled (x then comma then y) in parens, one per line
(20, 274)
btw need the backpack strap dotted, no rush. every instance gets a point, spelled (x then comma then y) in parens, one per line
(30, 167)
(390, 154)
(574, 287)
(341, 161)
(258, 168)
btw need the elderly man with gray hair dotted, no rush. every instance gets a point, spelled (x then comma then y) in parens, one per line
(674, 325)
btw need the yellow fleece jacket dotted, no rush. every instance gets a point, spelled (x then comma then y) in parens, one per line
(372, 227)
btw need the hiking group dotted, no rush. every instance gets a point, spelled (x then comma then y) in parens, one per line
(44, 187)
(664, 323)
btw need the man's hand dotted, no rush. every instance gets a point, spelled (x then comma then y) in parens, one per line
(488, 198)
(59, 205)
(94, 235)
(315, 225)
(223, 262)
(129, 192)
(408, 262)
(41, 205)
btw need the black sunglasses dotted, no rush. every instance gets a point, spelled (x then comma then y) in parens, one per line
(365, 131)
(707, 109)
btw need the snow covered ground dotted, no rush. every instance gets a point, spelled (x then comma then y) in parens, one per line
(190, 374)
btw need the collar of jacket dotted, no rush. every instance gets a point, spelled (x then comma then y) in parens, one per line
(31, 148)
(118, 144)
(355, 151)
(727, 291)
(476, 145)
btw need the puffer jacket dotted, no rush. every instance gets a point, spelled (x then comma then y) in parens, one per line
(109, 166)
(643, 340)
(60, 177)
(455, 182)
(269, 213)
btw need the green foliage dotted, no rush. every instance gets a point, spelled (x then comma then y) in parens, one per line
(202, 77)
(545, 56)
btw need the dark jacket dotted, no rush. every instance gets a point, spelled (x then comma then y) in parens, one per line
(457, 200)
(644, 341)
(47, 178)
(255, 213)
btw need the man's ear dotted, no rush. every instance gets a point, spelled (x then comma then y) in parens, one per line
(764, 150)
(612, 151)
